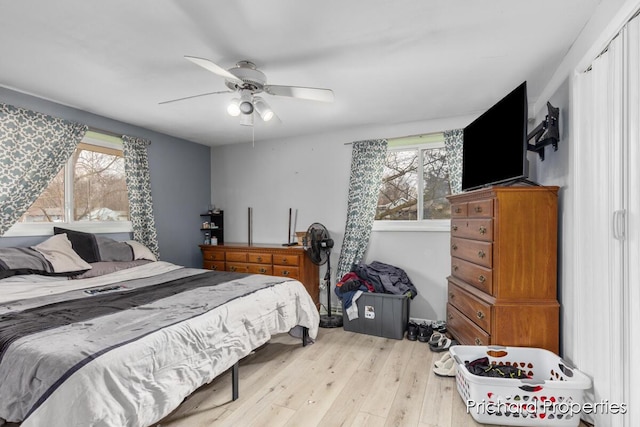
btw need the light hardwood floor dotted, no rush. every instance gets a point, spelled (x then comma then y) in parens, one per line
(344, 379)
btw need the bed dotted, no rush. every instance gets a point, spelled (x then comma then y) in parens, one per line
(126, 347)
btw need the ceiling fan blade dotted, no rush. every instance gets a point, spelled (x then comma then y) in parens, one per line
(311, 93)
(214, 68)
(194, 96)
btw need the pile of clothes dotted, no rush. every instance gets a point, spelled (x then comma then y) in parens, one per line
(375, 277)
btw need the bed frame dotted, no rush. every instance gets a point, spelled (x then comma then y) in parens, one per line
(235, 392)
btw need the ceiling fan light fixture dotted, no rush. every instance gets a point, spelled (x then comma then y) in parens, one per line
(246, 102)
(263, 109)
(246, 119)
(234, 107)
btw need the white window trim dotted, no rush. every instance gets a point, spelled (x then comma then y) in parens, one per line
(438, 225)
(46, 228)
(24, 229)
(419, 225)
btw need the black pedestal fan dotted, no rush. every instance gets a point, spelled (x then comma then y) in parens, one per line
(317, 245)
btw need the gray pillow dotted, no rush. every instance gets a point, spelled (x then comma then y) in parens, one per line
(15, 261)
(112, 250)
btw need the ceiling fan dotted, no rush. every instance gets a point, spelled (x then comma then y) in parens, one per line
(248, 81)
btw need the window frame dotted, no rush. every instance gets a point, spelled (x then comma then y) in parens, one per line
(435, 140)
(26, 229)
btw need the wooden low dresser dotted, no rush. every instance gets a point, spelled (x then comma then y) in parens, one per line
(275, 260)
(502, 289)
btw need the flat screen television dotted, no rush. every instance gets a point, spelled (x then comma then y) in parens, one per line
(494, 148)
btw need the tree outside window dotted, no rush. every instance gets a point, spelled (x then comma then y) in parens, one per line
(415, 182)
(92, 183)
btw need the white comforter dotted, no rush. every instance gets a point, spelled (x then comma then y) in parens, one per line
(141, 382)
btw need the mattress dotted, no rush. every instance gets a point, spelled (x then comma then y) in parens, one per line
(126, 348)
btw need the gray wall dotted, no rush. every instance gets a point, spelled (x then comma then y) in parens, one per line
(180, 180)
(311, 174)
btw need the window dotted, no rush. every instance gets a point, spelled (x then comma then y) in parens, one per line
(415, 180)
(90, 192)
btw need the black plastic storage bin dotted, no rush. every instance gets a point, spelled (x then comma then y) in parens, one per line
(383, 315)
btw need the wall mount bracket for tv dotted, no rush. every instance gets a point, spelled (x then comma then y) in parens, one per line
(545, 133)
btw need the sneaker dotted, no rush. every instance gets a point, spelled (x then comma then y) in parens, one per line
(424, 332)
(439, 326)
(412, 331)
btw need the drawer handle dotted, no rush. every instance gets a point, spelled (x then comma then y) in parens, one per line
(452, 295)
(481, 254)
(454, 247)
(478, 341)
(232, 268)
(263, 270)
(482, 279)
(259, 259)
(482, 229)
(455, 268)
(480, 315)
(213, 267)
(454, 227)
(450, 317)
(284, 260)
(285, 272)
(478, 209)
(458, 210)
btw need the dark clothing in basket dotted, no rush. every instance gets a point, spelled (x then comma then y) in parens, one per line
(483, 368)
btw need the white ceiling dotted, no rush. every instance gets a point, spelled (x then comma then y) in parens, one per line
(388, 62)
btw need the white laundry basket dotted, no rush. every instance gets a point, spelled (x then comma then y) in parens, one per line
(552, 395)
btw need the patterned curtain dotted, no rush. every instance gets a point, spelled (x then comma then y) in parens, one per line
(34, 148)
(453, 143)
(136, 164)
(367, 162)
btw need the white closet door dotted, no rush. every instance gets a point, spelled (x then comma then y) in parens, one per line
(607, 248)
(597, 253)
(632, 243)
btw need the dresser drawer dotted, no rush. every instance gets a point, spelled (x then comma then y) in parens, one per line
(212, 256)
(478, 311)
(286, 271)
(260, 269)
(237, 267)
(481, 208)
(236, 256)
(459, 210)
(259, 258)
(473, 274)
(473, 228)
(473, 250)
(465, 331)
(286, 259)
(214, 265)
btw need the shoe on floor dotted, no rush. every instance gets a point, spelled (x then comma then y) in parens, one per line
(424, 332)
(412, 331)
(448, 369)
(440, 363)
(435, 338)
(443, 345)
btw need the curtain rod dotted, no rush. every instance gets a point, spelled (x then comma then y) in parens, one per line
(109, 133)
(104, 132)
(406, 136)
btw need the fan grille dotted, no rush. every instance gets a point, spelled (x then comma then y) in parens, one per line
(318, 244)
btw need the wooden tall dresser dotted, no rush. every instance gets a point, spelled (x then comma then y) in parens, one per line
(275, 260)
(502, 289)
